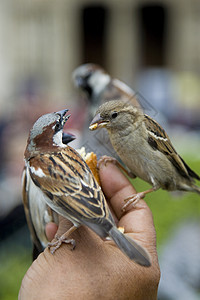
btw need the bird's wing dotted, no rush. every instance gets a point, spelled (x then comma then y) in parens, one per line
(117, 89)
(159, 140)
(37, 246)
(122, 90)
(67, 180)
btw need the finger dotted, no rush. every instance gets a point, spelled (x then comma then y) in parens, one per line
(138, 220)
(64, 225)
(51, 229)
(116, 186)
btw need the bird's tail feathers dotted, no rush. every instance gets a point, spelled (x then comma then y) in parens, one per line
(132, 249)
(196, 188)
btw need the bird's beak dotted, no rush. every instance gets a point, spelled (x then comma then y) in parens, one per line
(62, 113)
(98, 122)
(67, 138)
(63, 116)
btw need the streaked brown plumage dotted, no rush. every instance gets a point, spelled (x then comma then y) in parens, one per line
(145, 148)
(67, 185)
(37, 212)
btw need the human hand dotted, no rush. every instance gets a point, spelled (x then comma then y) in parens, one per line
(97, 269)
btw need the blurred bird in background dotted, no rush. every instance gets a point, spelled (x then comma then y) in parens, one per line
(98, 87)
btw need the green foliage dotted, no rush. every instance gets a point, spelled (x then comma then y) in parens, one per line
(14, 264)
(171, 208)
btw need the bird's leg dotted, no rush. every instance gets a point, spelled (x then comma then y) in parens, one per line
(136, 197)
(63, 239)
(106, 159)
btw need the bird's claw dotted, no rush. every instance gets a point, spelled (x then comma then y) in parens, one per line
(56, 245)
(106, 159)
(133, 200)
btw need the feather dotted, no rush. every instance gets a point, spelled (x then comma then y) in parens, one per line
(159, 140)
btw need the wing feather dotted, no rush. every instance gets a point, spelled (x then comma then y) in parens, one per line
(159, 140)
(25, 197)
(70, 186)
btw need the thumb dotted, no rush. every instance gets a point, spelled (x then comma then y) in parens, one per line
(137, 221)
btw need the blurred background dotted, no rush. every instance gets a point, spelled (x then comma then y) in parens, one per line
(153, 46)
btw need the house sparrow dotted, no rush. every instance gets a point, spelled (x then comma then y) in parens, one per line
(37, 212)
(60, 176)
(99, 86)
(145, 148)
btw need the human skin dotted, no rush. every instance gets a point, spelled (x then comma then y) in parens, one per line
(97, 269)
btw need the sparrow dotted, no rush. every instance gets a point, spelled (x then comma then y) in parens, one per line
(145, 148)
(37, 212)
(60, 176)
(99, 86)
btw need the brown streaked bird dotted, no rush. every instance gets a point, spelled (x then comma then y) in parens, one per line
(145, 148)
(37, 212)
(67, 185)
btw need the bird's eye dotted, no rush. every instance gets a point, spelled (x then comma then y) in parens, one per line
(57, 126)
(114, 115)
(89, 73)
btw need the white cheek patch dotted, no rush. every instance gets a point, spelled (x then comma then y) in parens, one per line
(99, 81)
(57, 139)
(37, 172)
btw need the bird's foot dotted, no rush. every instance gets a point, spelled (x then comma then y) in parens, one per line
(133, 200)
(106, 159)
(64, 238)
(56, 245)
(137, 197)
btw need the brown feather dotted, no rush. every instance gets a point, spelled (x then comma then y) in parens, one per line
(70, 185)
(164, 145)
